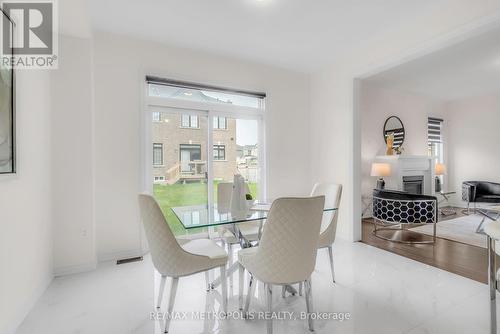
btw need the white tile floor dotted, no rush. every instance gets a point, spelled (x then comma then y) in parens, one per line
(383, 292)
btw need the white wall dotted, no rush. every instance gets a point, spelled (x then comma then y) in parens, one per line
(120, 66)
(72, 173)
(25, 205)
(376, 105)
(473, 141)
(335, 127)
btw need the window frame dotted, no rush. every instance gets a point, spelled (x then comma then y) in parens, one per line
(190, 121)
(436, 150)
(219, 148)
(157, 146)
(210, 110)
(217, 123)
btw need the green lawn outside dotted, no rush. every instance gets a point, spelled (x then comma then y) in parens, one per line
(185, 194)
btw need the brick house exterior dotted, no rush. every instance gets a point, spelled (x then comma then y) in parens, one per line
(180, 148)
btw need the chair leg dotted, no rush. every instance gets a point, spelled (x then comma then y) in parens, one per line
(171, 300)
(162, 288)
(332, 268)
(241, 278)
(269, 294)
(250, 293)
(224, 288)
(309, 304)
(300, 288)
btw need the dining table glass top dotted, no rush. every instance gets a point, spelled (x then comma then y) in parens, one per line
(195, 216)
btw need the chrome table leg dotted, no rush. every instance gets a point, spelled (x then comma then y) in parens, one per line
(493, 285)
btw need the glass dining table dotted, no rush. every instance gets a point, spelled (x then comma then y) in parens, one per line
(199, 216)
(196, 216)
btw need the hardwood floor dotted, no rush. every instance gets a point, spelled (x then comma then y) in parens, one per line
(465, 260)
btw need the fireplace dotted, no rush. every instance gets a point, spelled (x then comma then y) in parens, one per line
(413, 184)
(411, 173)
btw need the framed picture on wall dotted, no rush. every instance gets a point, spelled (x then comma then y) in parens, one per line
(7, 113)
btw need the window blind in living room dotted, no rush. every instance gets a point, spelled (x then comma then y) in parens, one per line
(434, 130)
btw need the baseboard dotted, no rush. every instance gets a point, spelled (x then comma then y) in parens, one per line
(74, 269)
(113, 256)
(27, 307)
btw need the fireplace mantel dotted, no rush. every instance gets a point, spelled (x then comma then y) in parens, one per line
(409, 165)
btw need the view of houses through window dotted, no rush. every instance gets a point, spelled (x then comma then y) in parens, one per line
(180, 157)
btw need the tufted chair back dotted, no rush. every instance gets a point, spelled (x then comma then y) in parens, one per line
(333, 195)
(287, 249)
(169, 258)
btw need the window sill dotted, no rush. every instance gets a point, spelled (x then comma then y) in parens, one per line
(9, 176)
(189, 128)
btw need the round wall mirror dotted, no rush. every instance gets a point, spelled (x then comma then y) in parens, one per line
(393, 125)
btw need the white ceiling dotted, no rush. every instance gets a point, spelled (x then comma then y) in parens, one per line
(467, 69)
(302, 35)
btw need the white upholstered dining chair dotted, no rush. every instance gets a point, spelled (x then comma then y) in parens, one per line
(250, 230)
(287, 250)
(333, 195)
(174, 260)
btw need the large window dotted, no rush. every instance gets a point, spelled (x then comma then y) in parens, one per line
(219, 152)
(189, 121)
(157, 154)
(202, 137)
(220, 123)
(435, 138)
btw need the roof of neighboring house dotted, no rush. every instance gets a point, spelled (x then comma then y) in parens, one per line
(196, 95)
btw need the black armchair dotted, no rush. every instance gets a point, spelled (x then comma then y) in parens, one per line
(480, 192)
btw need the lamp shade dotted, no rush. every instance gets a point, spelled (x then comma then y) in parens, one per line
(440, 169)
(380, 169)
